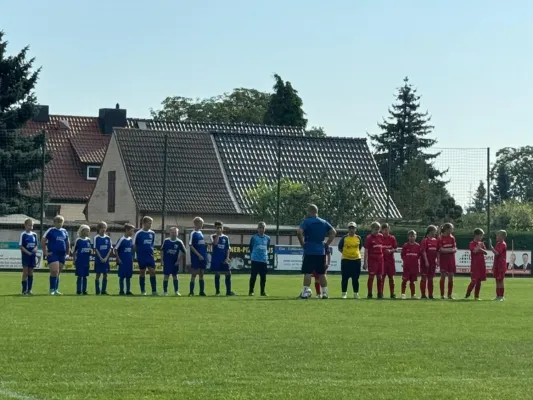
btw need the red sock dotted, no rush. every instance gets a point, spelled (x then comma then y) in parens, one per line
(423, 287)
(501, 291)
(404, 285)
(442, 279)
(380, 284)
(470, 288)
(478, 289)
(450, 285)
(412, 287)
(370, 283)
(317, 287)
(430, 287)
(391, 285)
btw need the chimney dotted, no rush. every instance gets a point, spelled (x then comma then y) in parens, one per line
(110, 118)
(42, 114)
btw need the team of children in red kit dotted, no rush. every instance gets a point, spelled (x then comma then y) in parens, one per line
(418, 259)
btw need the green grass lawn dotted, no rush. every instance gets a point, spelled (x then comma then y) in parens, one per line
(263, 348)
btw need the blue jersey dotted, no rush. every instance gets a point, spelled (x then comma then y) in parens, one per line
(83, 250)
(103, 245)
(171, 250)
(56, 240)
(315, 230)
(28, 240)
(197, 242)
(259, 248)
(220, 250)
(124, 248)
(144, 245)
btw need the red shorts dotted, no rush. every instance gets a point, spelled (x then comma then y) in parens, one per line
(316, 276)
(389, 268)
(478, 273)
(428, 271)
(410, 274)
(499, 273)
(448, 268)
(376, 266)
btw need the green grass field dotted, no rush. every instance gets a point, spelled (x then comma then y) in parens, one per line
(263, 348)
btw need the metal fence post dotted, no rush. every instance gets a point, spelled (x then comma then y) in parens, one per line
(278, 199)
(163, 202)
(43, 164)
(488, 192)
(389, 183)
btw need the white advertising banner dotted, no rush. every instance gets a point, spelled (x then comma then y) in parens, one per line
(289, 258)
(11, 257)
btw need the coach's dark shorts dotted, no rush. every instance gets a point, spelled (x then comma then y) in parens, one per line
(315, 263)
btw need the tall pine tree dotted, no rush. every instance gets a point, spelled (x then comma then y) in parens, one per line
(479, 201)
(285, 107)
(20, 156)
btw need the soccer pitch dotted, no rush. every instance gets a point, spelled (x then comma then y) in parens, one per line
(263, 348)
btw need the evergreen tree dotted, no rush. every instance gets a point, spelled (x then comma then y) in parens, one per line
(285, 107)
(20, 156)
(479, 201)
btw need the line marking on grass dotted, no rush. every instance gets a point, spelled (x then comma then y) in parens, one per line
(14, 395)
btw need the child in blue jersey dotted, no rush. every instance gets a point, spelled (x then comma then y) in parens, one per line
(259, 244)
(173, 252)
(102, 251)
(144, 248)
(56, 247)
(198, 250)
(28, 248)
(124, 255)
(82, 259)
(220, 258)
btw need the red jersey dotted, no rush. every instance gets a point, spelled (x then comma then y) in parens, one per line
(373, 245)
(500, 261)
(389, 242)
(447, 242)
(430, 247)
(477, 259)
(411, 255)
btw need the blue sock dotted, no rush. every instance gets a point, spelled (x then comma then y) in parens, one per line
(153, 284)
(128, 285)
(217, 283)
(142, 283)
(121, 285)
(30, 283)
(175, 285)
(202, 285)
(228, 283)
(97, 285)
(84, 284)
(57, 283)
(24, 286)
(165, 285)
(191, 287)
(78, 284)
(104, 285)
(53, 283)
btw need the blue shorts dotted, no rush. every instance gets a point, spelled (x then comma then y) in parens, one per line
(199, 264)
(170, 269)
(101, 268)
(29, 261)
(143, 264)
(219, 267)
(125, 271)
(82, 271)
(56, 257)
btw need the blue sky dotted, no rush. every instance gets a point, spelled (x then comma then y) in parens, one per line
(471, 60)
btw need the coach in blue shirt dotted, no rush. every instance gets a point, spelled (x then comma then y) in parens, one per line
(311, 235)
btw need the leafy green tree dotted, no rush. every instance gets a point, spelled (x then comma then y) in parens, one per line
(501, 189)
(240, 106)
(20, 156)
(316, 131)
(285, 107)
(514, 174)
(479, 201)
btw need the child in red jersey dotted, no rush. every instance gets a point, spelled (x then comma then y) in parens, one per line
(428, 265)
(447, 249)
(411, 252)
(499, 267)
(389, 248)
(374, 259)
(478, 267)
(327, 259)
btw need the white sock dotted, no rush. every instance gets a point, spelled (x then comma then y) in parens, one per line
(305, 290)
(324, 291)
(344, 293)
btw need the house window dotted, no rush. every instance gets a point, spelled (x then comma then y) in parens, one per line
(111, 189)
(92, 172)
(51, 210)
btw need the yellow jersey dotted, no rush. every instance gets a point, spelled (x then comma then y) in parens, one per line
(350, 247)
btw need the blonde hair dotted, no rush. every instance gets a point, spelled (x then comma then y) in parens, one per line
(411, 233)
(375, 225)
(59, 218)
(502, 232)
(82, 228)
(147, 219)
(28, 221)
(197, 219)
(101, 225)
